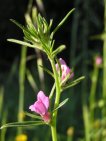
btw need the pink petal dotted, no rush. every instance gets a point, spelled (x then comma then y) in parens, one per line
(40, 108)
(62, 62)
(32, 108)
(44, 99)
(65, 69)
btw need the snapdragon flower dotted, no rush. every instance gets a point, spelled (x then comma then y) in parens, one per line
(41, 106)
(65, 69)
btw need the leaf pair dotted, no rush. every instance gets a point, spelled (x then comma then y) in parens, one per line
(23, 124)
(26, 123)
(73, 83)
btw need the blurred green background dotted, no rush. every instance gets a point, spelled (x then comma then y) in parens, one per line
(78, 34)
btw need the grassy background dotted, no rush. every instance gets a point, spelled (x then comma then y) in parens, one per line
(86, 21)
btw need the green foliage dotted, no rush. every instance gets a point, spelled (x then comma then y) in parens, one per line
(58, 50)
(63, 20)
(33, 115)
(24, 43)
(73, 83)
(61, 104)
(47, 70)
(38, 35)
(23, 124)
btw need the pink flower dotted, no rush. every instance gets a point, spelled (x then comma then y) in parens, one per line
(41, 106)
(98, 60)
(65, 69)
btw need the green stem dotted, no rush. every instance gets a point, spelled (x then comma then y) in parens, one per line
(4, 120)
(21, 86)
(104, 64)
(86, 122)
(85, 33)
(93, 92)
(57, 99)
(54, 133)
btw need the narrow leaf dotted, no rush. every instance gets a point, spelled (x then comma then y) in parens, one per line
(73, 83)
(23, 43)
(46, 70)
(61, 104)
(33, 115)
(50, 24)
(52, 91)
(64, 19)
(31, 80)
(18, 24)
(58, 50)
(22, 124)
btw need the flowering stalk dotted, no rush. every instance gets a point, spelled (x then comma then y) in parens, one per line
(21, 86)
(97, 63)
(61, 71)
(57, 99)
(104, 64)
(40, 37)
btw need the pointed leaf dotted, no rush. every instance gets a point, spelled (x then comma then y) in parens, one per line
(64, 19)
(31, 31)
(61, 104)
(34, 15)
(18, 24)
(22, 124)
(31, 80)
(23, 43)
(73, 83)
(58, 50)
(33, 115)
(52, 91)
(50, 24)
(46, 70)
